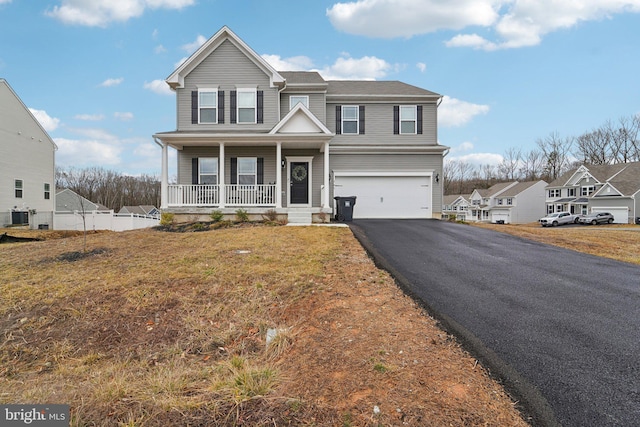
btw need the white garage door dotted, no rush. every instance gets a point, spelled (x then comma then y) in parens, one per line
(500, 216)
(389, 196)
(620, 215)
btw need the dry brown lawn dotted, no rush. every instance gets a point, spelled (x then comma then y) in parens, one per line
(152, 328)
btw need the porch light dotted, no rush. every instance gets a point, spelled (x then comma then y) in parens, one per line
(437, 178)
(283, 163)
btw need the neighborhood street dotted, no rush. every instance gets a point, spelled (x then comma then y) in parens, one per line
(561, 328)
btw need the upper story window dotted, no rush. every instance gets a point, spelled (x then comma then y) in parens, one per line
(207, 106)
(47, 191)
(17, 184)
(247, 170)
(208, 170)
(571, 192)
(510, 201)
(408, 119)
(587, 190)
(500, 201)
(246, 105)
(350, 119)
(554, 192)
(475, 202)
(298, 99)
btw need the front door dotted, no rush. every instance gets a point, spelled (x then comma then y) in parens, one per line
(299, 178)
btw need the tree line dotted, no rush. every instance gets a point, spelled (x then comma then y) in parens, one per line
(110, 188)
(611, 143)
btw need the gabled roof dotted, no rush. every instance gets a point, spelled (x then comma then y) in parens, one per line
(451, 199)
(624, 177)
(495, 189)
(300, 120)
(68, 200)
(376, 88)
(519, 188)
(18, 101)
(303, 78)
(176, 79)
(140, 210)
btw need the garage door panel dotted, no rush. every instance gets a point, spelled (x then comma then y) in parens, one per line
(387, 196)
(620, 215)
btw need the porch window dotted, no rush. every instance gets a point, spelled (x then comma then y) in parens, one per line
(350, 119)
(247, 170)
(298, 99)
(246, 105)
(208, 170)
(47, 191)
(207, 105)
(17, 184)
(408, 116)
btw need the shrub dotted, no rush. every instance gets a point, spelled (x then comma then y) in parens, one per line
(216, 216)
(242, 215)
(270, 215)
(167, 218)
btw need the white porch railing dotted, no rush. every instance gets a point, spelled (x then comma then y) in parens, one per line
(234, 195)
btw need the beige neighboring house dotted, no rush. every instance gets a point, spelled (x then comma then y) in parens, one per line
(27, 165)
(506, 202)
(252, 137)
(598, 188)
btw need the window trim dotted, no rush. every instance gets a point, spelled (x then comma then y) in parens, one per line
(18, 189)
(215, 107)
(254, 174)
(584, 190)
(356, 119)
(414, 120)
(254, 91)
(305, 103)
(47, 191)
(554, 192)
(216, 174)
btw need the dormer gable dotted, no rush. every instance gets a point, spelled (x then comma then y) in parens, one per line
(300, 120)
(607, 190)
(581, 175)
(176, 79)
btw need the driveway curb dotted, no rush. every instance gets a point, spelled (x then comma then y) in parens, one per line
(529, 401)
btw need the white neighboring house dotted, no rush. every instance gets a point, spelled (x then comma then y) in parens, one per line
(456, 206)
(598, 188)
(27, 165)
(509, 202)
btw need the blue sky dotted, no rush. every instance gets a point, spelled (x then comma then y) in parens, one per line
(511, 71)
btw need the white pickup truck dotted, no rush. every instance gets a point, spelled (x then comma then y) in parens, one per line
(559, 218)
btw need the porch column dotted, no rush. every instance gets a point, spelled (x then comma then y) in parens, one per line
(278, 175)
(326, 203)
(164, 177)
(221, 192)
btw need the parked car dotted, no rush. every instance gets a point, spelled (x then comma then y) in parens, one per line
(597, 218)
(559, 218)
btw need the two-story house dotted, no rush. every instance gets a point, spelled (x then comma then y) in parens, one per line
(251, 137)
(456, 206)
(598, 188)
(27, 165)
(508, 202)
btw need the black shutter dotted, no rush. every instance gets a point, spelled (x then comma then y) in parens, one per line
(234, 170)
(419, 123)
(232, 106)
(396, 119)
(194, 171)
(361, 119)
(260, 102)
(194, 107)
(260, 167)
(221, 106)
(338, 119)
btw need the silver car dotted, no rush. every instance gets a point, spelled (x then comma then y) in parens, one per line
(596, 218)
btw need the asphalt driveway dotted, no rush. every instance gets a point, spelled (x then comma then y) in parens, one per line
(561, 328)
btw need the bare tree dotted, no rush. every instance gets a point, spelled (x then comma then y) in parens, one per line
(508, 168)
(555, 152)
(532, 166)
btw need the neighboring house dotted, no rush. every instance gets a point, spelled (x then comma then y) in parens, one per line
(27, 165)
(509, 202)
(145, 210)
(598, 188)
(456, 206)
(251, 137)
(69, 201)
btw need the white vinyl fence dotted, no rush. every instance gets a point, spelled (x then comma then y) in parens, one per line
(102, 220)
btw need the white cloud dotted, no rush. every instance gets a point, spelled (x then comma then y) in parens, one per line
(85, 153)
(295, 63)
(159, 49)
(48, 123)
(516, 23)
(5, 1)
(194, 45)
(464, 147)
(124, 116)
(454, 112)
(100, 13)
(112, 82)
(421, 66)
(365, 68)
(89, 117)
(95, 134)
(476, 159)
(158, 86)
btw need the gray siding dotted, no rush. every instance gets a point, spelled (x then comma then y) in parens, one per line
(379, 126)
(227, 68)
(316, 104)
(395, 163)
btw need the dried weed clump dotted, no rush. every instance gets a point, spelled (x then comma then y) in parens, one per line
(157, 329)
